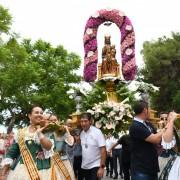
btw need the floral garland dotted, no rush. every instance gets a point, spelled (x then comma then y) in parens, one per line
(111, 116)
(127, 43)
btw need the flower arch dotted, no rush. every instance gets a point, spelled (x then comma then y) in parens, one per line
(127, 43)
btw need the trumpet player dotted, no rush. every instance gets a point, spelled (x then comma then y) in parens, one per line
(62, 138)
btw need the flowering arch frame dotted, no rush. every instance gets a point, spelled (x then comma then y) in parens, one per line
(127, 46)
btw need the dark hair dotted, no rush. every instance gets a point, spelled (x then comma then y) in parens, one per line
(32, 107)
(139, 106)
(86, 115)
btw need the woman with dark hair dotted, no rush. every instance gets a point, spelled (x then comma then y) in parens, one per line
(33, 152)
(171, 139)
(62, 138)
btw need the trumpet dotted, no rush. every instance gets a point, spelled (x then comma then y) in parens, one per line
(56, 126)
(178, 116)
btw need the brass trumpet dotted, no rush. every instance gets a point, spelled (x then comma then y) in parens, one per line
(55, 126)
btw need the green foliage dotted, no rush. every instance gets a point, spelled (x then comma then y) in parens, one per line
(162, 68)
(5, 20)
(98, 94)
(35, 73)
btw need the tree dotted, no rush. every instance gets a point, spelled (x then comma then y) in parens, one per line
(5, 20)
(162, 64)
(35, 74)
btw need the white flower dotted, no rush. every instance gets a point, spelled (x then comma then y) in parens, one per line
(128, 27)
(112, 113)
(90, 111)
(89, 31)
(117, 118)
(90, 53)
(121, 116)
(95, 15)
(121, 13)
(129, 51)
(109, 126)
(121, 108)
(103, 112)
(71, 96)
(129, 115)
(116, 108)
(98, 124)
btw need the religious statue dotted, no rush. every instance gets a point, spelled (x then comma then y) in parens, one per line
(109, 62)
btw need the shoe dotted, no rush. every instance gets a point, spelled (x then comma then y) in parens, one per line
(111, 176)
(115, 177)
(121, 176)
(107, 173)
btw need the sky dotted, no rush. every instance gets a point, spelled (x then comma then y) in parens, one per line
(63, 22)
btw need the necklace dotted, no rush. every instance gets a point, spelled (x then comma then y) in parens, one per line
(86, 137)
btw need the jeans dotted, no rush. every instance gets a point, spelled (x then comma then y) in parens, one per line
(109, 162)
(77, 167)
(117, 156)
(143, 176)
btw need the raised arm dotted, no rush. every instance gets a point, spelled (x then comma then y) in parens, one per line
(168, 133)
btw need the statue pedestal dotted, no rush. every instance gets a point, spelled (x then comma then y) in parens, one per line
(111, 91)
(116, 73)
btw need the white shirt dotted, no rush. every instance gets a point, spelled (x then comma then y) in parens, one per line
(109, 144)
(91, 141)
(114, 141)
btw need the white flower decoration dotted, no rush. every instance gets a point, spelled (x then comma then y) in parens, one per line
(95, 15)
(109, 126)
(121, 13)
(98, 124)
(89, 31)
(112, 113)
(129, 51)
(90, 111)
(107, 115)
(90, 53)
(128, 27)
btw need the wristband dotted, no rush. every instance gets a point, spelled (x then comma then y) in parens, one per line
(102, 166)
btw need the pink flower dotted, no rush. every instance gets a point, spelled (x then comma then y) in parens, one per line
(127, 42)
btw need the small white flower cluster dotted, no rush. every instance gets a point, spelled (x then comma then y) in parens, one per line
(109, 115)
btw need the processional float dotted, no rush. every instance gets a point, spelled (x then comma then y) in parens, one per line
(109, 69)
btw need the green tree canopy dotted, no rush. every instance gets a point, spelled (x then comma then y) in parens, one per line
(5, 20)
(35, 73)
(162, 68)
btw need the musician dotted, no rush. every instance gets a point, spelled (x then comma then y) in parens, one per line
(33, 153)
(170, 138)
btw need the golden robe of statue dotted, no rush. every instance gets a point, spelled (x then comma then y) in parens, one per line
(109, 63)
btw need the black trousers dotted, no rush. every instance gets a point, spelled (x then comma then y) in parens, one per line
(126, 170)
(90, 174)
(109, 165)
(117, 156)
(77, 167)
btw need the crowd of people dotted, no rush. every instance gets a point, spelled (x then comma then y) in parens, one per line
(86, 153)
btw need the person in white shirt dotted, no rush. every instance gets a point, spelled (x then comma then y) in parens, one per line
(93, 149)
(116, 155)
(109, 159)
